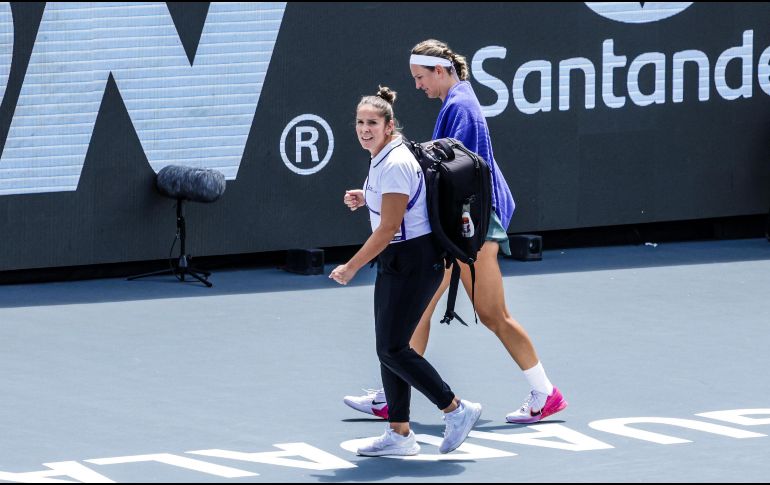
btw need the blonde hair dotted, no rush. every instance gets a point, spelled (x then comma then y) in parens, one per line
(436, 48)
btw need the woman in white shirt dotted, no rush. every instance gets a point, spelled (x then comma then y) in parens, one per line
(409, 271)
(443, 74)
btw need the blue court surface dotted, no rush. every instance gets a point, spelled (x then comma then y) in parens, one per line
(661, 351)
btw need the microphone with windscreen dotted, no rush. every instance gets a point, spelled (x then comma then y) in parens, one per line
(188, 183)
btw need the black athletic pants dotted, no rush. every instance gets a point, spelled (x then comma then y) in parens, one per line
(408, 275)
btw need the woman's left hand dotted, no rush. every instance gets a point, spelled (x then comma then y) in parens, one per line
(342, 274)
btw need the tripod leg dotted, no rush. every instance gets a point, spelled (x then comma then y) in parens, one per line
(154, 273)
(206, 274)
(180, 267)
(199, 278)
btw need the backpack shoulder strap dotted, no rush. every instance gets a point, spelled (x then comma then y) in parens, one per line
(454, 283)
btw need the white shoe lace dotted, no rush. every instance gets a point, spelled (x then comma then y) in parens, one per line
(380, 441)
(524, 409)
(373, 393)
(529, 404)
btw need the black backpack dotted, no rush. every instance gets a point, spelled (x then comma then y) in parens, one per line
(459, 199)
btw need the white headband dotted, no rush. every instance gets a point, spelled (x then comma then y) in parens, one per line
(432, 61)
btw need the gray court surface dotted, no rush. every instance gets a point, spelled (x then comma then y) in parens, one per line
(661, 351)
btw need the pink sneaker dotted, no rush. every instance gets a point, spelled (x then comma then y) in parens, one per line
(538, 406)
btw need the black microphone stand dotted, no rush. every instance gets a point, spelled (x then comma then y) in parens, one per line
(181, 266)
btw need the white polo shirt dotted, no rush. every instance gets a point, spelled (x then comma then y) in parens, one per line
(395, 171)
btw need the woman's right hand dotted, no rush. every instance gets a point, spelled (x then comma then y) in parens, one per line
(342, 274)
(354, 199)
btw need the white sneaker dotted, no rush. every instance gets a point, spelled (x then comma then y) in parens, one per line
(458, 424)
(373, 403)
(391, 443)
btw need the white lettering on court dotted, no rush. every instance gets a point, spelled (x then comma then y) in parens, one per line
(620, 427)
(739, 416)
(178, 461)
(542, 434)
(70, 469)
(312, 457)
(466, 451)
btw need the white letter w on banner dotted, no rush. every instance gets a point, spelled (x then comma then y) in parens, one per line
(197, 115)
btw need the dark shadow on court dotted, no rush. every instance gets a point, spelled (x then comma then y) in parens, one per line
(437, 429)
(639, 256)
(371, 469)
(376, 469)
(513, 426)
(271, 280)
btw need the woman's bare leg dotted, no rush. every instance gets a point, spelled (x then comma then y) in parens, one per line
(490, 305)
(419, 341)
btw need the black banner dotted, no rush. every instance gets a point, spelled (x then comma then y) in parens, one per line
(599, 116)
